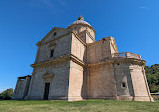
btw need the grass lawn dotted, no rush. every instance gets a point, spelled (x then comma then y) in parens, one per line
(80, 106)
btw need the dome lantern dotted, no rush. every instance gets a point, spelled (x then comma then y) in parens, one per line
(81, 18)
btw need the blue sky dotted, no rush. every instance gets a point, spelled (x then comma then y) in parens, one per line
(133, 23)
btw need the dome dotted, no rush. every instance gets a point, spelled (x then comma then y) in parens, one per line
(80, 21)
(80, 25)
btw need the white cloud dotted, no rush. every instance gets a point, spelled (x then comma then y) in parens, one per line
(142, 7)
(55, 5)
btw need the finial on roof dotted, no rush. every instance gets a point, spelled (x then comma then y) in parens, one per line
(81, 18)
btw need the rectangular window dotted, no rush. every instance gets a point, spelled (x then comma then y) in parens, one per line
(52, 53)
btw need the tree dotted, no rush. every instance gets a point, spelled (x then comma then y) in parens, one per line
(152, 74)
(7, 94)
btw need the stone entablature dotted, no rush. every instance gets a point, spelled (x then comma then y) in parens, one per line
(71, 65)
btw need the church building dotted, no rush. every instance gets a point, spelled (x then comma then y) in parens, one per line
(71, 65)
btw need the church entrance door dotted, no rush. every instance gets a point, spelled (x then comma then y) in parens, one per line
(46, 92)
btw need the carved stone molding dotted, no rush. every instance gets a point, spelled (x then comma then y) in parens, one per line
(52, 45)
(48, 76)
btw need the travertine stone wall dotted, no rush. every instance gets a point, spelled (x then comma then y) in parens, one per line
(91, 32)
(75, 82)
(132, 74)
(122, 75)
(101, 50)
(54, 34)
(58, 85)
(21, 89)
(86, 36)
(61, 47)
(101, 82)
(80, 28)
(141, 91)
(59, 68)
(78, 49)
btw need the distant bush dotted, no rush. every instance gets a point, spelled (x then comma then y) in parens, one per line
(155, 97)
(1, 97)
(7, 94)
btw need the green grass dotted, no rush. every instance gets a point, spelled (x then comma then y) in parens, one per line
(79, 106)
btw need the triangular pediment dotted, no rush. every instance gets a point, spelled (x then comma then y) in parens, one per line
(53, 34)
(48, 74)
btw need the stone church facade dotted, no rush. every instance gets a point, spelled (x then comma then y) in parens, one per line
(71, 65)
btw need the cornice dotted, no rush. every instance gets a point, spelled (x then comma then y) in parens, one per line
(86, 31)
(61, 58)
(78, 37)
(71, 31)
(90, 35)
(115, 48)
(40, 42)
(77, 60)
(94, 43)
(129, 60)
(83, 25)
(54, 39)
(125, 60)
(115, 45)
(80, 62)
(49, 61)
